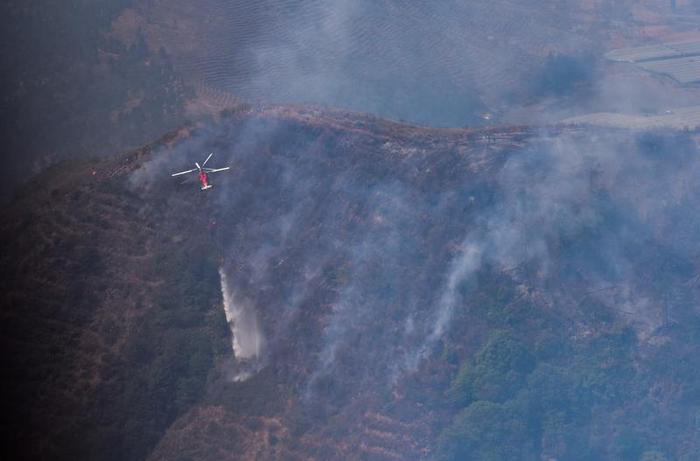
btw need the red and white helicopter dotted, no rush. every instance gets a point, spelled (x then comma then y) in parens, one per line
(203, 172)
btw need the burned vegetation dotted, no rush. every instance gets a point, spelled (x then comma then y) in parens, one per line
(419, 293)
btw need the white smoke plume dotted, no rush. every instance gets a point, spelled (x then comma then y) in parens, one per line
(247, 339)
(357, 260)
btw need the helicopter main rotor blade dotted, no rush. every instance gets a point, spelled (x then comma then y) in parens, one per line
(205, 162)
(184, 172)
(214, 170)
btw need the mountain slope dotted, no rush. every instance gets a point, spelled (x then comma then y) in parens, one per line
(396, 292)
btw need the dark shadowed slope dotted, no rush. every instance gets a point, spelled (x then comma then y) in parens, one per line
(408, 293)
(69, 89)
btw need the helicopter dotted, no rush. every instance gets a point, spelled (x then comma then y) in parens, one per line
(203, 172)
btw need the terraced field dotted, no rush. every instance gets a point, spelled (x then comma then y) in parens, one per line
(680, 61)
(683, 118)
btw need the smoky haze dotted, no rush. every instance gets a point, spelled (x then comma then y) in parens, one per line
(440, 64)
(522, 288)
(448, 64)
(130, 71)
(392, 239)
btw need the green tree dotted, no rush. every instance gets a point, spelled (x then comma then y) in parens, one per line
(498, 370)
(487, 431)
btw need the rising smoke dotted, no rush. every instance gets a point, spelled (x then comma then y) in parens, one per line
(372, 250)
(246, 337)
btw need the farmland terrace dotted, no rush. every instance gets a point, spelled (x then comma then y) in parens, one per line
(679, 60)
